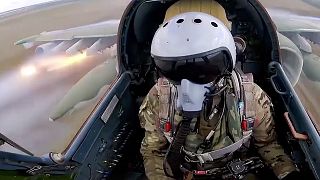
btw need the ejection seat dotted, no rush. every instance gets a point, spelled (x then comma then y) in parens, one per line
(206, 6)
(144, 18)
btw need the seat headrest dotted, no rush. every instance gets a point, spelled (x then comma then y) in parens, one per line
(206, 6)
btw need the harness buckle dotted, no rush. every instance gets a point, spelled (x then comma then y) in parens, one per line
(236, 167)
(196, 172)
(247, 123)
(165, 125)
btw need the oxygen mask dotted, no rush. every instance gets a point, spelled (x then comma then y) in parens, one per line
(190, 97)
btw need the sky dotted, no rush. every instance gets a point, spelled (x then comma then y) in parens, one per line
(7, 5)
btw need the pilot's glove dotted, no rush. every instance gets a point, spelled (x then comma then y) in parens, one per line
(293, 175)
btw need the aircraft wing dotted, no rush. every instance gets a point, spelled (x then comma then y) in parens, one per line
(93, 38)
(298, 37)
(297, 24)
(297, 28)
(315, 3)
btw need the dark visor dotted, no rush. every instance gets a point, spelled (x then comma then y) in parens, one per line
(200, 70)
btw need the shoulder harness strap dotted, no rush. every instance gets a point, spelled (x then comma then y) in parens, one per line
(166, 105)
(249, 115)
(243, 84)
(243, 87)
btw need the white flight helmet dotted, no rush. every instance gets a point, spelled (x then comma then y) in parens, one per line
(194, 46)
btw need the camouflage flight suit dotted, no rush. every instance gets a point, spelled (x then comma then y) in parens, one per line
(155, 144)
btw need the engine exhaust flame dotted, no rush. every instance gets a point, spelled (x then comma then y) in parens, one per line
(27, 71)
(68, 61)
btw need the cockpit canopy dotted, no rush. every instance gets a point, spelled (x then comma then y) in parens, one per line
(248, 20)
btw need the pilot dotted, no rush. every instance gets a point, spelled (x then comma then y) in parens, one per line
(201, 115)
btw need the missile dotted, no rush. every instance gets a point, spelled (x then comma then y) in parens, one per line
(81, 45)
(63, 46)
(45, 48)
(100, 45)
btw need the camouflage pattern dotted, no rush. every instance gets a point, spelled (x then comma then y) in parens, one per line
(155, 143)
(265, 136)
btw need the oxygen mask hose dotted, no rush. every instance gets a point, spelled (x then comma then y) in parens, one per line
(215, 89)
(190, 100)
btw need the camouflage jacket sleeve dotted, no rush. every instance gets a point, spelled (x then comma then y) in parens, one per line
(265, 136)
(154, 143)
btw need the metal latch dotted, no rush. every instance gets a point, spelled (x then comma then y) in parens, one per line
(294, 133)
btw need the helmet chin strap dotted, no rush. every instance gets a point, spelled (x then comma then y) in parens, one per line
(190, 97)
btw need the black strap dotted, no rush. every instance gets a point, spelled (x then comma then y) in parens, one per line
(174, 158)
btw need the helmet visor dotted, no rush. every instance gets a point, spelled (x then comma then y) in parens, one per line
(200, 70)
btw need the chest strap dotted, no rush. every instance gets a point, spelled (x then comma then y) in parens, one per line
(244, 87)
(247, 83)
(220, 153)
(167, 94)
